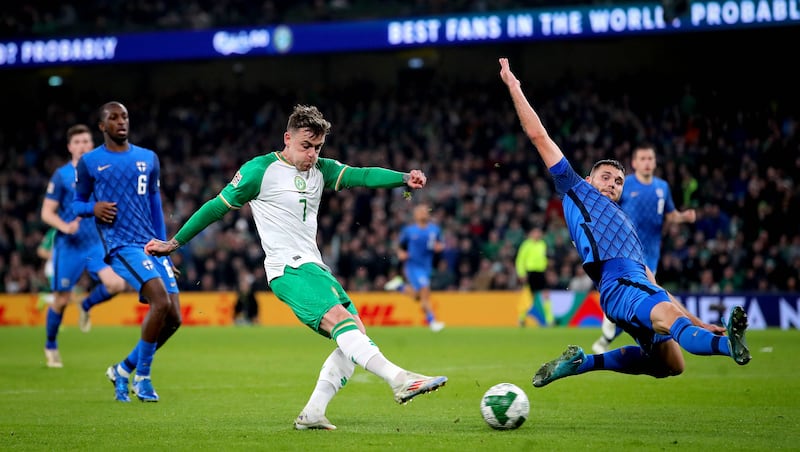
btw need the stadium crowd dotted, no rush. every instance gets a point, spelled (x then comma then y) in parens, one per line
(736, 160)
(57, 18)
(735, 157)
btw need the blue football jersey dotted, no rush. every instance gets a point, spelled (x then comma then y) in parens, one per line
(599, 228)
(646, 205)
(419, 242)
(61, 189)
(131, 179)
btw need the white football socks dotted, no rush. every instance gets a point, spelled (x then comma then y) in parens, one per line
(335, 373)
(360, 349)
(609, 330)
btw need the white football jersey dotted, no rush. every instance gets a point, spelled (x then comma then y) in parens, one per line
(285, 204)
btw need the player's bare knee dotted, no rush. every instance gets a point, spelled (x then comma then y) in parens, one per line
(61, 300)
(664, 370)
(675, 371)
(115, 286)
(667, 360)
(663, 316)
(159, 303)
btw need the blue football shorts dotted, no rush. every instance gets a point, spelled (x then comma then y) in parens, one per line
(136, 267)
(70, 262)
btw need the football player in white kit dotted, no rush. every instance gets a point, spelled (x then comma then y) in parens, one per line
(284, 189)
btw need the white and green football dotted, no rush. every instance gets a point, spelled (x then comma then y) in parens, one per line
(505, 406)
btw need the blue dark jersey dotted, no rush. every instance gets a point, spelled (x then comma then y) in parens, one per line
(419, 242)
(129, 178)
(600, 230)
(62, 190)
(646, 205)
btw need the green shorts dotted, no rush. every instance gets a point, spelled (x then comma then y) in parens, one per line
(310, 291)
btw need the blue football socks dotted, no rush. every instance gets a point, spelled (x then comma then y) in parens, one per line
(697, 340)
(429, 318)
(53, 324)
(146, 352)
(129, 363)
(98, 295)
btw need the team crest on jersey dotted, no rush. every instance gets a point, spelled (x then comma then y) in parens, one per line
(236, 179)
(142, 166)
(299, 183)
(660, 192)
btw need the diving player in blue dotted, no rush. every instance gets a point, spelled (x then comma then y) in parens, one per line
(124, 179)
(612, 256)
(76, 248)
(648, 202)
(418, 243)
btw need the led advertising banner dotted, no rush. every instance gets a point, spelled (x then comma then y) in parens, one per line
(458, 29)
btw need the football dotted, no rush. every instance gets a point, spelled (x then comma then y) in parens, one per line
(505, 406)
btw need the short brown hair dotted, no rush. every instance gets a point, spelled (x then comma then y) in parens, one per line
(308, 116)
(610, 162)
(77, 129)
(642, 147)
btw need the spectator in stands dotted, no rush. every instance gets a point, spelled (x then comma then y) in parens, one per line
(245, 310)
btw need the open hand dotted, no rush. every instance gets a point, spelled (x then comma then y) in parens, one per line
(506, 75)
(716, 329)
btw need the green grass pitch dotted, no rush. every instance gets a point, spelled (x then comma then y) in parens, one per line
(241, 388)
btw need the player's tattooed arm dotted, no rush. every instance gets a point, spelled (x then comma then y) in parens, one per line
(158, 247)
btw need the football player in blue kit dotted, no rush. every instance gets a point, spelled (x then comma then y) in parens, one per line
(417, 246)
(118, 183)
(648, 202)
(76, 247)
(612, 256)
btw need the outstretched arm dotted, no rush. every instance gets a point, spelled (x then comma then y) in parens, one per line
(242, 188)
(208, 213)
(531, 124)
(374, 177)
